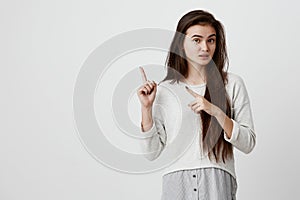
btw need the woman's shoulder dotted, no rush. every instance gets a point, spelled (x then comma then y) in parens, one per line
(236, 88)
(234, 78)
(168, 84)
(235, 81)
(167, 89)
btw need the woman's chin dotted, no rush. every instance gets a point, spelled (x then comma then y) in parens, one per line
(202, 62)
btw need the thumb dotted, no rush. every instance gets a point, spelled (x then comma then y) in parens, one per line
(154, 87)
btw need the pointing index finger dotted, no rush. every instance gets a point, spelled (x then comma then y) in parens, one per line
(144, 77)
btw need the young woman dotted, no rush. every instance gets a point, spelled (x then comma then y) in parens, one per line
(208, 94)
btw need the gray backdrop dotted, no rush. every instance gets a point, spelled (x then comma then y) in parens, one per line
(45, 43)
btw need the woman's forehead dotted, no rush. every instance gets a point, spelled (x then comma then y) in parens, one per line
(202, 30)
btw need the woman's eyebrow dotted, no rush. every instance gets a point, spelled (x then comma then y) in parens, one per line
(202, 36)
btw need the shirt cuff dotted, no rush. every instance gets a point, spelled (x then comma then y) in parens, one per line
(149, 133)
(234, 134)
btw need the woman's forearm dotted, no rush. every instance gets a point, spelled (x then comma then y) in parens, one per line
(147, 121)
(225, 122)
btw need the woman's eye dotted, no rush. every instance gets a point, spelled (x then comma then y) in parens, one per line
(211, 40)
(196, 40)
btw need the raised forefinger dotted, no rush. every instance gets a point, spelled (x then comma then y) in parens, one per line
(144, 77)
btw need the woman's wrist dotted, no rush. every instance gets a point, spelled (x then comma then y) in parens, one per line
(146, 108)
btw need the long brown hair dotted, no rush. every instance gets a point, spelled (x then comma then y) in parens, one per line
(216, 77)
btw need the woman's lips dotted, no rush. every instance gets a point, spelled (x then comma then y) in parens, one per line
(204, 56)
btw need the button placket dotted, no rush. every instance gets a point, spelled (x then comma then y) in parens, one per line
(195, 188)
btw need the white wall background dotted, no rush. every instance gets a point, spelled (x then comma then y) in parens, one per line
(43, 45)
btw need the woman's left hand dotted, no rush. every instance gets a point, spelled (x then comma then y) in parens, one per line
(200, 103)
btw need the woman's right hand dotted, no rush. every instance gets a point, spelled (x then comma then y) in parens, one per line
(147, 91)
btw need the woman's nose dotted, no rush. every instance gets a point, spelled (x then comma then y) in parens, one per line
(203, 46)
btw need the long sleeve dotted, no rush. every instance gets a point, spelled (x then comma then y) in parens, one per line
(243, 135)
(154, 140)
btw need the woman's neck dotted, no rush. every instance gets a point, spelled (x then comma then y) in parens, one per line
(196, 75)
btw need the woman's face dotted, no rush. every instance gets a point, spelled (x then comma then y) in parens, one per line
(200, 44)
